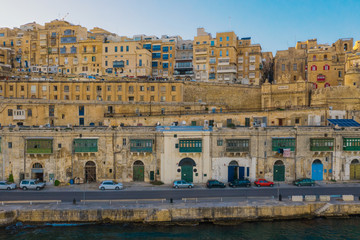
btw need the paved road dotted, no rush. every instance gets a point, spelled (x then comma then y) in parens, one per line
(67, 196)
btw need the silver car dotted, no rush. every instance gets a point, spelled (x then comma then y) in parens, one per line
(182, 184)
(4, 185)
(110, 185)
(31, 184)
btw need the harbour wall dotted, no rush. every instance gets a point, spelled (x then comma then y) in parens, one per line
(171, 214)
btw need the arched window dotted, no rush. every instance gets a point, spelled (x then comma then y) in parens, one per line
(325, 57)
(326, 67)
(314, 57)
(345, 47)
(313, 68)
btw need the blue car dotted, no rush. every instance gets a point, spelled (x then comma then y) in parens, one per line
(182, 184)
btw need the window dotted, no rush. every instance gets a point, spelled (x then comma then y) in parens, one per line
(339, 74)
(106, 49)
(173, 88)
(124, 141)
(212, 43)
(109, 88)
(93, 58)
(281, 143)
(227, 38)
(325, 57)
(29, 112)
(220, 53)
(127, 62)
(152, 88)
(119, 98)
(165, 56)
(131, 89)
(313, 68)
(142, 88)
(9, 144)
(66, 88)
(10, 112)
(282, 67)
(294, 67)
(116, 48)
(220, 142)
(345, 47)
(119, 88)
(165, 49)
(127, 48)
(326, 67)
(140, 62)
(220, 39)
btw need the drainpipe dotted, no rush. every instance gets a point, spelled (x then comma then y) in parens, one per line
(295, 152)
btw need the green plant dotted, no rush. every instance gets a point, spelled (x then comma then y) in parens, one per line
(11, 178)
(57, 183)
(157, 183)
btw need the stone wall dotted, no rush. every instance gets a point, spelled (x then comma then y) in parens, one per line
(176, 214)
(234, 96)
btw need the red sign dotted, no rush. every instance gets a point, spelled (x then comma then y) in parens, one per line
(321, 78)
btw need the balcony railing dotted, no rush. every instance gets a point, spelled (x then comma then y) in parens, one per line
(226, 70)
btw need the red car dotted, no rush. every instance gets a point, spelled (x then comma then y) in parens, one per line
(263, 183)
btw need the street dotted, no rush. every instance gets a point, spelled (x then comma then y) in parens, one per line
(167, 193)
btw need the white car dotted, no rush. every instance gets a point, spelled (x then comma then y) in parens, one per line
(4, 185)
(110, 185)
(31, 184)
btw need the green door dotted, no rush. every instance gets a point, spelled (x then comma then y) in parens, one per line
(279, 173)
(354, 171)
(187, 173)
(138, 173)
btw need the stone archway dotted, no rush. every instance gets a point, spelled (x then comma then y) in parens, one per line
(317, 170)
(187, 167)
(355, 169)
(279, 171)
(138, 171)
(90, 171)
(37, 172)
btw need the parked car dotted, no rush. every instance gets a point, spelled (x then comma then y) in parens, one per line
(182, 184)
(110, 185)
(4, 185)
(304, 182)
(263, 183)
(215, 183)
(31, 184)
(240, 183)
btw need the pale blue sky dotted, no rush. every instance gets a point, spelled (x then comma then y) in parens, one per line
(275, 24)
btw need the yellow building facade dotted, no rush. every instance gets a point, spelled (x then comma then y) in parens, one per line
(126, 59)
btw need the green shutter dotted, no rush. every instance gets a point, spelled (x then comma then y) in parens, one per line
(190, 145)
(281, 143)
(141, 145)
(85, 145)
(321, 144)
(39, 146)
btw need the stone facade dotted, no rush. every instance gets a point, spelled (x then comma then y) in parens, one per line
(170, 153)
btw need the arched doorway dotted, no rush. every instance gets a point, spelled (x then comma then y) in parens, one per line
(37, 172)
(90, 172)
(317, 170)
(355, 169)
(279, 171)
(233, 171)
(187, 165)
(138, 171)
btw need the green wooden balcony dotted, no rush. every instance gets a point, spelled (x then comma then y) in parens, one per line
(190, 146)
(141, 145)
(40, 146)
(85, 145)
(321, 144)
(237, 145)
(282, 143)
(351, 144)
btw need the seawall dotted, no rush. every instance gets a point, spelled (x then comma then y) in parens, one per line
(172, 214)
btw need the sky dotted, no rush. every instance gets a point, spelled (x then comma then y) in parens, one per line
(275, 24)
